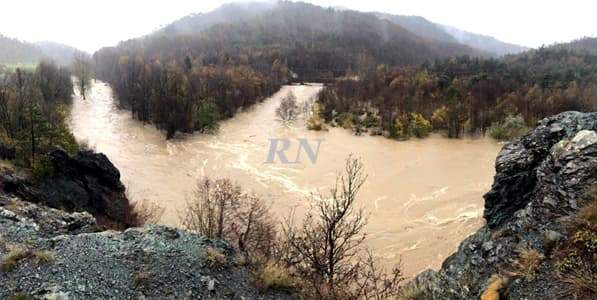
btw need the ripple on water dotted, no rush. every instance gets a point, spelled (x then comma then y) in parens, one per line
(422, 196)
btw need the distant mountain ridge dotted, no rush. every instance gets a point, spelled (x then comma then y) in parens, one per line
(484, 42)
(428, 30)
(433, 31)
(13, 51)
(227, 13)
(59, 53)
(420, 26)
(299, 32)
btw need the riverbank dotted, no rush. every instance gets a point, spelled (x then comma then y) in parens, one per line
(422, 196)
(539, 233)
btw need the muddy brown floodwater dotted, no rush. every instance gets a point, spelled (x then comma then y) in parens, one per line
(422, 196)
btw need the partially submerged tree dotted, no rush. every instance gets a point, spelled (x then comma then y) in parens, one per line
(288, 109)
(82, 70)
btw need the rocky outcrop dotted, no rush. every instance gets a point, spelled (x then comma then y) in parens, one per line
(86, 181)
(155, 262)
(539, 183)
(518, 163)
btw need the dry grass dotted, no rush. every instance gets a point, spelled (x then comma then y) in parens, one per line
(18, 253)
(274, 277)
(214, 257)
(142, 278)
(587, 215)
(528, 262)
(20, 296)
(140, 213)
(581, 280)
(576, 257)
(43, 257)
(15, 206)
(411, 292)
(15, 255)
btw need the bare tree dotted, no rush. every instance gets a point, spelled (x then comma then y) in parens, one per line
(219, 209)
(288, 109)
(82, 70)
(327, 250)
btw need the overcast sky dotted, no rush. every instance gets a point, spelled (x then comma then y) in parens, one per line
(90, 25)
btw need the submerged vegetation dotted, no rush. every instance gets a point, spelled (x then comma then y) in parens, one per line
(466, 95)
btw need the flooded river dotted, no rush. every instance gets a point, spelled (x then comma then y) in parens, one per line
(422, 196)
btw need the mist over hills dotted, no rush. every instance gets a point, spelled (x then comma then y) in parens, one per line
(60, 53)
(483, 42)
(13, 51)
(16, 51)
(430, 31)
(294, 29)
(227, 13)
(433, 31)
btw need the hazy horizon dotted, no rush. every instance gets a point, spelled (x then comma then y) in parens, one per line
(92, 26)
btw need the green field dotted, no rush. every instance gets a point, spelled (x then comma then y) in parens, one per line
(14, 66)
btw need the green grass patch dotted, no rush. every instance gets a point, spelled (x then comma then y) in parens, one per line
(29, 66)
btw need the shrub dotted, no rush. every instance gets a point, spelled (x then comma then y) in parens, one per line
(214, 257)
(316, 121)
(528, 262)
(576, 257)
(207, 117)
(371, 120)
(419, 126)
(42, 169)
(345, 120)
(400, 128)
(220, 210)
(407, 126)
(288, 109)
(142, 278)
(14, 256)
(510, 128)
(439, 118)
(142, 212)
(43, 257)
(274, 277)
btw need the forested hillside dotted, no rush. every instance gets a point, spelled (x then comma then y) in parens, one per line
(13, 51)
(584, 44)
(59, 53)
(33, 112)
(187, 81)
(465, 95)
(227, 13)
(420, 26)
